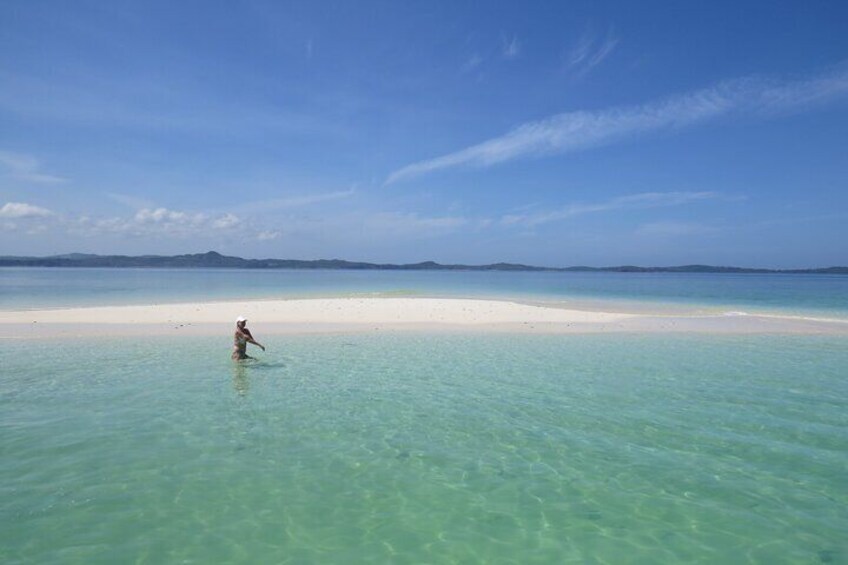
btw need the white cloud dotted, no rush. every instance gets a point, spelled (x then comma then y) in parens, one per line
(590, 51)
(633, 201)
(580, 51)
(147, 223)
(165, 216)
(268, 235)
(153, 222)
(23, 210)
(26, 168)
(572, 131)
(510, 48)
(163, 220)
(225, 222)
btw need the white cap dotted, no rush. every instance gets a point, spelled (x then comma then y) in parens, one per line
(241, 319)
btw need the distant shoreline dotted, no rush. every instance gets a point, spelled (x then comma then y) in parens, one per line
(214, 260)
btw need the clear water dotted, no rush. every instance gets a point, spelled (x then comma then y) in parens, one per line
(816, 295)
(426, 449)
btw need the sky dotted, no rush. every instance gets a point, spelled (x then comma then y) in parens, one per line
(547, 133)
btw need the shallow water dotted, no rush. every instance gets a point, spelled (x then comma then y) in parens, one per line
(424, 448)
(815, 295)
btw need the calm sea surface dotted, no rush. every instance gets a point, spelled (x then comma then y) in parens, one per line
(789, 294)
(426, 449)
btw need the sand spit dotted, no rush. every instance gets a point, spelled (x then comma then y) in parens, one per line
(334, 315)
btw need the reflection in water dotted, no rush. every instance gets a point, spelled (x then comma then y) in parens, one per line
(240, 381)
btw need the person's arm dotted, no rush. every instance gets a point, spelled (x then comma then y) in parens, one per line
(250, 339)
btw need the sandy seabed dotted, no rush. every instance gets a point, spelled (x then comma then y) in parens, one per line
(340, 315)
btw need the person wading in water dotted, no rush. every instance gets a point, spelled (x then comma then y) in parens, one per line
(241, 338)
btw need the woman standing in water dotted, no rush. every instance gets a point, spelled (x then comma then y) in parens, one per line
(241, 339)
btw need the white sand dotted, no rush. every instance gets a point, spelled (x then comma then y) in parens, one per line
(331, 315)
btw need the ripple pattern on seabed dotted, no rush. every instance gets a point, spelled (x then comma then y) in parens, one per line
(425, 448)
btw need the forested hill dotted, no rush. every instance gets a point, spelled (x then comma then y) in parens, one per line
(216, 260)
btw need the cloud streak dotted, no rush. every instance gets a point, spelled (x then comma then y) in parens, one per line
(396, 224)
(26, 168)
(129, 201)
(573, 131)
(589, 52)
(634, 201)
(298, 201)
(676, 229)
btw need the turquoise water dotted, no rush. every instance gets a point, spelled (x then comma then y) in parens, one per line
(817, 295)
(426, 449)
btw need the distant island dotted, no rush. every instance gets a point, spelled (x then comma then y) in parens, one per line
(215, 260)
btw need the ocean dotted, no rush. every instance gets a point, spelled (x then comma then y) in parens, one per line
(814, 295)
(430, 447)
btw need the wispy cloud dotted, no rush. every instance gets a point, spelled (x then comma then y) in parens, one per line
(510, 47)
(295, 201)
(675, 229)
(16, 210)
(309, 199)
(572, 131)
(632, 201)
(129, 201)
(159, 223)
(411, 224)
(590, 50)
(176, 105)
(472, 63)
(26, 168)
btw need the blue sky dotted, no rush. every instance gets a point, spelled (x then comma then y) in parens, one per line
(560, 133)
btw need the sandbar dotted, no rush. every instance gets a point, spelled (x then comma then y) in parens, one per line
(341, 315)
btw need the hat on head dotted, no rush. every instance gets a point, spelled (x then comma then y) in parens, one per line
(241, 319)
